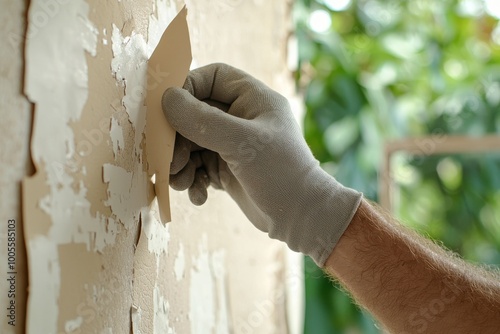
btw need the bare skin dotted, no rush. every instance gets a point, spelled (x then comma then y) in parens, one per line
(410, 284)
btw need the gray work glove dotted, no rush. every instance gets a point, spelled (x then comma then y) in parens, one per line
(239, 135)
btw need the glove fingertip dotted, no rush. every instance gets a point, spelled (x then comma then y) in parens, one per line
(172, 101)
(198, 195)
(171, 93)
(184, 179)
(182, 151)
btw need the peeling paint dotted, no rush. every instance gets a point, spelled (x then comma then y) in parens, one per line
(88, 203)
(157, 234)
(201, 291)
(57, 82)
(129, 66)
(66, 100)
(136, 314)
(73, 325)
(116, 134)
(208, 291)
(107, 235)
(89, 36)
(180, 263)
(63, 205)
(44, 291)
(165, 11)
(218, 262)
(127, 192)
(15, 164)
(104, 39)
(161, 309)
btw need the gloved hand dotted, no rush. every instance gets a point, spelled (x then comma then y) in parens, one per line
(239, 135)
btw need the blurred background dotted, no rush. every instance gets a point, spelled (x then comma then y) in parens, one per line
(372, 71)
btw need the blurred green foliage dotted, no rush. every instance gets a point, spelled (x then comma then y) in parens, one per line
(374, 70)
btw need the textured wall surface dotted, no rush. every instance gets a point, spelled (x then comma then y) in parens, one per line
(15, 123)
(99, 260)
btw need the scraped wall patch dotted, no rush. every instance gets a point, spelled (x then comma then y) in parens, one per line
(180, 263)
(161, 308)
(202, 292)
(55, 206)
(129, 66)
(208, 290)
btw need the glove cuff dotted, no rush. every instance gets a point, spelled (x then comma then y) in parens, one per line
(319, 218)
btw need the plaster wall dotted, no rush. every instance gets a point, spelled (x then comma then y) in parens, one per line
(98, 259)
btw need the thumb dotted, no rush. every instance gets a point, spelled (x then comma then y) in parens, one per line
(207, 126)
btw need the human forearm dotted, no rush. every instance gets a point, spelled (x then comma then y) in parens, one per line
(252, 147)
(410, 284)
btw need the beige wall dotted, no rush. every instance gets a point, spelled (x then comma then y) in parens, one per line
(15, 122)
(99, 259)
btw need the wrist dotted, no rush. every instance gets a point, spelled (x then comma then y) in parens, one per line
(320, 213)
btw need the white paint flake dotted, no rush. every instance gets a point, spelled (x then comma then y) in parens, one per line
(44, 291)
(73, 325)
(218, 260)
(65, 98)
(127, 192)
(57, 83)
(166, 11)
(180, 263)
(116, 134)
(89, 36)
(157, 233)
(208, 292)
(161, 308)
(107, 235)
(201, 292)
(129, 66)
(136, 314)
